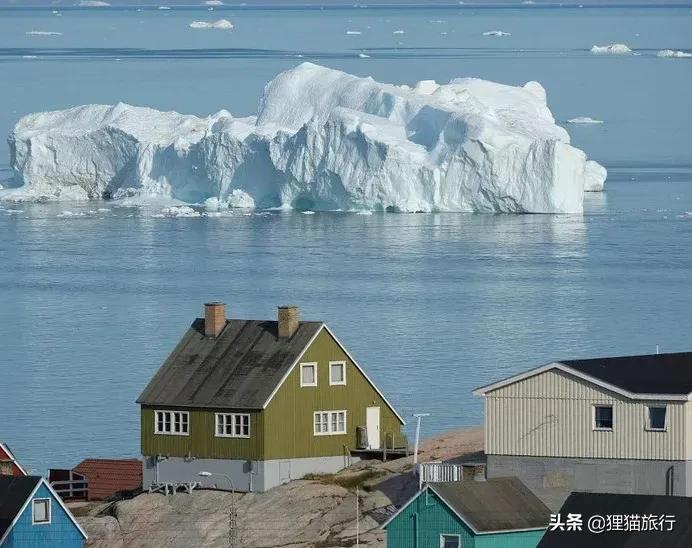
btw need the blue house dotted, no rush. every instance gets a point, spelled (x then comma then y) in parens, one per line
(32, 515)
(497, 513)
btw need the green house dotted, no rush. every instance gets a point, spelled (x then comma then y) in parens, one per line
(261, 402)
(495, 513)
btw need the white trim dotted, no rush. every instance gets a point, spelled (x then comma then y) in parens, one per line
(449, 535)
(12, 458)
(647, 418)
(342, 363)
(49, 512)
(483, 390)
(42, 481)
(233, 416)
(309, 343)
(593, 417)
(329, 431)
(314, 368)
(172, 421)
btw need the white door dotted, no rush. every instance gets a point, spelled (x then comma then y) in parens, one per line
(372, 423)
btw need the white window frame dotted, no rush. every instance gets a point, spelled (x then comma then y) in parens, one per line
(343, 369)
(449, 535)
(223, 419)
(314, 368)
(172, 422)
(647, 417)
(330, 431)
(593, 417)
(49, 511)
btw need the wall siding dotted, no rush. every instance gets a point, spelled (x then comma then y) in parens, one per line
(60, 533)
(202, 442)
(550, 414)
(284, 429)
(290, 413)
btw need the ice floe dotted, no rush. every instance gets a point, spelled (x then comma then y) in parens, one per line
(673, 53)
(612, 49)
(221, 24)
(322, 140)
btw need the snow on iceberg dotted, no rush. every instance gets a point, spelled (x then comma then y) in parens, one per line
(673, 53)
(612, 49)
(322, 139)
(584, 120)
(221, 24)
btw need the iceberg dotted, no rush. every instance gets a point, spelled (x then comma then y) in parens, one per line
(496, 33)
(584, 120)
(93, 4)
(322, 140)
(221, 24)
(612, 49)
(43, 33)
(673, 53)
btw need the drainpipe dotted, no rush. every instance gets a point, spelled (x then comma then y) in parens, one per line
(415, 530)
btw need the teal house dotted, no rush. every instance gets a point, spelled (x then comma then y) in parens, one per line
(32, 515)
(495, 513)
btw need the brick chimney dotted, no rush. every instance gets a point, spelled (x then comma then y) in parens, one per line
(289, 317)
(214, 319)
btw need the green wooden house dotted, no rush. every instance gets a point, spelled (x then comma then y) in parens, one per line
(261, 402)
(495, 513)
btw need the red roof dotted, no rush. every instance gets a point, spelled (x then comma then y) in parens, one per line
(108, 476)
(7, 459)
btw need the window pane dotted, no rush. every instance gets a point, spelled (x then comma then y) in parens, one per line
(318, 425)
(219, 424)
(604, 416)
(308, 374)
(245, 430)
(449, 541)
(41, 510)
(342, 422)
(657, 418)
(337, 373)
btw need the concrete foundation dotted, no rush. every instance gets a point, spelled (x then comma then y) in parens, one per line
(246, 475)
(552, 479)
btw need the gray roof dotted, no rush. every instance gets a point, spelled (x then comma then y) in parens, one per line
(14, 490)
(497, 504)
(240, 368)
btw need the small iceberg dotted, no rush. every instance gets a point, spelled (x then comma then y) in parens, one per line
(180, 211)
(43, 33)
(496, 33)
(363, 56)
(584, 120)
(221, 24)
(612, 49)
(93, 4)
(164, 8)
(213, 3)
(353, 32)
(398, 32)
(673, 53)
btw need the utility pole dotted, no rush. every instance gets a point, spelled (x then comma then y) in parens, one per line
(418, 417)
(357, 518)
(232, 525)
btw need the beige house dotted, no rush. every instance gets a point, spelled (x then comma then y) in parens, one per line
(619, 425)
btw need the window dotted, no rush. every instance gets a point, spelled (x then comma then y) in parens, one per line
(603, 417)
(172, 422)
(450, 541)
(308, 374)
(232, 425)
(656, 417)
(330, 423)
(40, 511)
(337, 373)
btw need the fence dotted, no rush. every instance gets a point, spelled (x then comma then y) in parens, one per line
(437, 472)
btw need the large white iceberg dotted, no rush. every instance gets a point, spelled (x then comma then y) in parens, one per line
(322, 139)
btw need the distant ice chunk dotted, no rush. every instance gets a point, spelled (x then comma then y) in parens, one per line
(322, 140)
(496, 33)
(673, 53)
(399, 31)
(612, 49)
(354, 32)
(363, 56)
(180, 211)
(584, 120)
(164, 7)
(93, 4)
(213, 3)
(43, 33)
(221, 24)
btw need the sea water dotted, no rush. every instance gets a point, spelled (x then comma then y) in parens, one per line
(93, 297)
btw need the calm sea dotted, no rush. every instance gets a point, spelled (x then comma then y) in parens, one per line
(93, 297)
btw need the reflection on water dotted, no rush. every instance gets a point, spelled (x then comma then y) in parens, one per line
(433, 305)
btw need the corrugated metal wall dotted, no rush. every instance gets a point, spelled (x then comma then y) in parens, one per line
(550, 414)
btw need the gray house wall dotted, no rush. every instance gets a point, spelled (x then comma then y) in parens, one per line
(246, 475)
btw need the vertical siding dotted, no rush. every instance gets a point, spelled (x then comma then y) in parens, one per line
(422, 522)
(60, 533)
(289, 416)
(550, 414)
(520, 539)
(202, 442)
